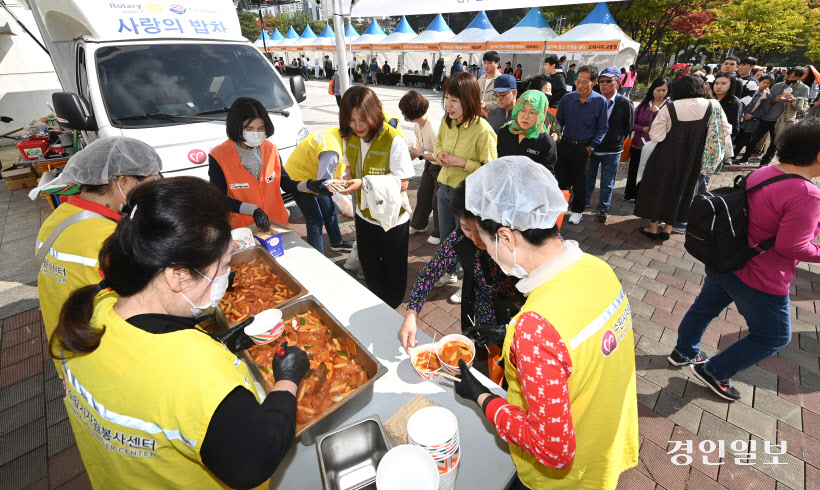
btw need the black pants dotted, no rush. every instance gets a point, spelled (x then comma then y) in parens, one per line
(571, 172)
(631, 190)
(427, 200)
(762, 128)
(383, 255)
(338, 101)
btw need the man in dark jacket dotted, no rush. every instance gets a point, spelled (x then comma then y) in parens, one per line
(558, 80)
(607, 155)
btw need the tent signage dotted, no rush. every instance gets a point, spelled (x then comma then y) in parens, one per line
(463, 46)
(421, 47)
(516, 46)
(582, 46)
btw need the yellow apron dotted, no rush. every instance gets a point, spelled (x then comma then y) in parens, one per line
(303, 162)
(603, 397)
(141, 403)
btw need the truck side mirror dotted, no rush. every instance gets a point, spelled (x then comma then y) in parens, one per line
(297, 88)
(68, 108)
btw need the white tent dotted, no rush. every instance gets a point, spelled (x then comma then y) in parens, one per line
(473, 39)
(361, 47)
(282, 46)
(263, 41)
(428, 43)
(382, 8)
(524, 43)
(391, 48)
(597, 40)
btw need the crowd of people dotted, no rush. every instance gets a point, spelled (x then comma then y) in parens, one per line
(131, 263)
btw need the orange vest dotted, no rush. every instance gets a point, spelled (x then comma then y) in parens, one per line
(263, 192)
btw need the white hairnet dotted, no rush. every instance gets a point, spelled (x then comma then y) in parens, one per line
(104, 159)
(111, 157)
(515, 192)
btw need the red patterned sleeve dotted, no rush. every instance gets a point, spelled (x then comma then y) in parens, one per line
(544, 430)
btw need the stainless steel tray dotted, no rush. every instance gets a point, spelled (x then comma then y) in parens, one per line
(358, 399)
(348, 457)
(258, 252)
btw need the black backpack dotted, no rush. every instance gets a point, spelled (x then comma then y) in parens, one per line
(718, 228)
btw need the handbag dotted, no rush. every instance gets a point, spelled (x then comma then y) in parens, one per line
(646, 151)
(627, 148)
(330, 88)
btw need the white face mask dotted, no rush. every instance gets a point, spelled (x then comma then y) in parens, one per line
(123, 194)
(254, 138)
(218, 288)
(517, 270)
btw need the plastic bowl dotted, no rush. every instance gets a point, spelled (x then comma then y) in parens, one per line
(407, 467)
(266, 327)
(425, 375)
(449, 338)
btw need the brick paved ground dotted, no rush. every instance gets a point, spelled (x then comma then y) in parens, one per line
(781, 395)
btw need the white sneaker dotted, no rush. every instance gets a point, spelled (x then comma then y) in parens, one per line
(456, 297)
(575, 218)
(413, 231)
(433, 240)
(360, 273)
(447, 279)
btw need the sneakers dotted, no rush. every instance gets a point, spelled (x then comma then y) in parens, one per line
(342, 247)
(575, 218)
(676, 359)
(447, 279)
(433, 240)
(723, 389)
(601, 217)
(456, 297)
(413, 231)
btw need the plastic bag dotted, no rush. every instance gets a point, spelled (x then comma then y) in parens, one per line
(344, 203)
(352, 263)
(646, 151)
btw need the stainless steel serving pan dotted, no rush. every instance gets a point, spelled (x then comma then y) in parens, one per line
(349, 457)
(352, 403)
(277, 270)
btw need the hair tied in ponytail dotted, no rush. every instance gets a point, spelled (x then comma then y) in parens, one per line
(101, 286)
(128, 211)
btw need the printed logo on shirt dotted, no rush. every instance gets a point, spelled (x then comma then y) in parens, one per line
(240, 186)
(608, 343)
(533, 152)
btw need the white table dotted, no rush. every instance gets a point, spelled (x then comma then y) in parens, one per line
(485, 458)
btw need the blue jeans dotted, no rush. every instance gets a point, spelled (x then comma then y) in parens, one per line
(767, 316)
(609, 170)
(319, 210)
(446, 219)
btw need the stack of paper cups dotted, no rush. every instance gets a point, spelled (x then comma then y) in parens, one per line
(436, 430)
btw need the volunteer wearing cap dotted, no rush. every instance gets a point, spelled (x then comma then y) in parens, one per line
(570, 415)
(373, 147)
(153, 400)
(70, 239)
(247, 167)
(316, 159)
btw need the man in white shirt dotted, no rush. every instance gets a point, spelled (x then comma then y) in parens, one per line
(351, 68)
(487, 80)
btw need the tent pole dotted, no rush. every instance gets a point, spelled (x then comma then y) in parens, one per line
(341, 52)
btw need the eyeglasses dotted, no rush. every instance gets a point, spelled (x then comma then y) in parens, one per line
(604, 80)
(497, 95)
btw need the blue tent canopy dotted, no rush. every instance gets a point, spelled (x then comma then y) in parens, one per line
(439, 25)
(308, 33)
(404, 26)
(534, 19)
(327, 32)
(599, 15)
(480, 22)
(263, 36)
(291, 34)
(374, 29)
(276, 35)
(350, 31)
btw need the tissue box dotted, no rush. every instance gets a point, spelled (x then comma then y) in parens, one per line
(272, 243)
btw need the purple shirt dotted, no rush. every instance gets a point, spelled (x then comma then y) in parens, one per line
(643, 118)
(790, 210)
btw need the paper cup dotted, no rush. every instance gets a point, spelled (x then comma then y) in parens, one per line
(449, 338)
(432, 426)
(266, 327)
(424, 374)
(407, 467)
(336, 185)
(242, 239)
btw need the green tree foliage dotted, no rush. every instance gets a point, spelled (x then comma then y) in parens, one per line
(249, 24)
(759, 28)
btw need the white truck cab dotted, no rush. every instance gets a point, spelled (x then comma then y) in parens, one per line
(164, 73)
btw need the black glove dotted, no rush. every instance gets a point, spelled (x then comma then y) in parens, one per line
(318, 187)
(235, 339)
(261, 219)
(469, 387)
(486, 334)
(292, 366)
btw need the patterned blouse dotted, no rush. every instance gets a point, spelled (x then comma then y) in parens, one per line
(488, 282)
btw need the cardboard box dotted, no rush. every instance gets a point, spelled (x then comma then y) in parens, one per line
(20, 178)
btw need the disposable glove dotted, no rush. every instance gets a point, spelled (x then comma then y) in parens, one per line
(469, 387)
(290, 364)
(261, 219)
(486, 334)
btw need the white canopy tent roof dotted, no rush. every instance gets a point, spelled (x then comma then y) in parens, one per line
(479, 31)
(372, 35)
(532, 28)
(382, 8)
(263, 41)
(402, 34)
(326, 39)
(289, 39)
(597, 40)
(438, 31)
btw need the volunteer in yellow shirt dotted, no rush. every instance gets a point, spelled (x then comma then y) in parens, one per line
(571, 413)
(107, 170)
(154, 401)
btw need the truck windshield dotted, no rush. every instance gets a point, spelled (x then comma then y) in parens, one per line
(167, 82)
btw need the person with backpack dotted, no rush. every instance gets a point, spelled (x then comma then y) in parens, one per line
(782, 202)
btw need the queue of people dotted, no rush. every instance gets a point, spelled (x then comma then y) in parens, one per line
(145, 258)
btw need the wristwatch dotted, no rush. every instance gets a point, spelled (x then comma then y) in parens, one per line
(421, 156)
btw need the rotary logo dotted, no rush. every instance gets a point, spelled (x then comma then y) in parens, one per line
(152, 7)
(177, 8)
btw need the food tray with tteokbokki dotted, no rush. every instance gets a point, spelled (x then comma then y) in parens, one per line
(260, 284)
(351, 370)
